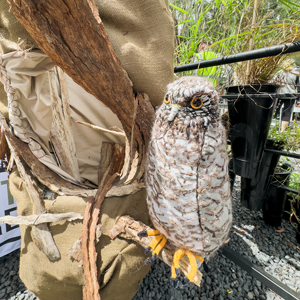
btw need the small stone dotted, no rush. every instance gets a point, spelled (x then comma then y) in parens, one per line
(250, 295)
(262, 297)
(208, 280)
(258, 283)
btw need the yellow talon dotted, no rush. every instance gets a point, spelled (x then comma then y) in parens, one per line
(200, 258)
(155, 241)
(152, 232)
(177, 257)
(193, 271)
(160, 245)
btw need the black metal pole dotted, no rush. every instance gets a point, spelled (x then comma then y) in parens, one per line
(288, 189)
(284, 153)
(248, 55)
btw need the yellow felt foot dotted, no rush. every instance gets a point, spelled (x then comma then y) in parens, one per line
(175, 265)
(175, 269)
(193, 271)
(160, 245)
(156, 241)
(152, 232)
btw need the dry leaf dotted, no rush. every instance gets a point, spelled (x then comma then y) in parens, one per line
(280, 230)
(290, 244)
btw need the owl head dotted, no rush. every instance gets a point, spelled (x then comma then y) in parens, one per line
(193, 96)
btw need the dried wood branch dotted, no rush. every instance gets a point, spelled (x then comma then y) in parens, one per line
(73, 36)
(40, 234)
(40, 219)
(128, 228)
(118, 133)
(61, 134)
(88, 248)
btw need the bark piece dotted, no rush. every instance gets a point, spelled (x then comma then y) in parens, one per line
(40, 234)
(40, 219)
(61, 134)
(128, 228)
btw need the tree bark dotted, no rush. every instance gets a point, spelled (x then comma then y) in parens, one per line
(72, 34)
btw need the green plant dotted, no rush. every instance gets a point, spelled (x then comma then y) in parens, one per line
(289, 139)
(293, 198)
(234, 26)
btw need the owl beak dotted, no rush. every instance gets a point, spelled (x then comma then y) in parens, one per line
(174, 110)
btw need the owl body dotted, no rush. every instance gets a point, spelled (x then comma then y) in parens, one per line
(188, 190)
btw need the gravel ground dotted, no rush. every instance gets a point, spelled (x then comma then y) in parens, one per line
(276, 253)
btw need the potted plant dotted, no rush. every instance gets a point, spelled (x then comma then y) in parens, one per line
(292, 204)
(274, 202)
(254, 191)
(251, 98)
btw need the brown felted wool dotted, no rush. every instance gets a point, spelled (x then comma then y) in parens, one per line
(120, 262)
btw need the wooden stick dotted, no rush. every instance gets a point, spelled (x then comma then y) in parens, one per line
(128, 228)
(40, 219)
(88, 248)
(118, 133)
(61, 134)
(40, 234)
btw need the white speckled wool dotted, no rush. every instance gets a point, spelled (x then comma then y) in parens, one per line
(187, 172)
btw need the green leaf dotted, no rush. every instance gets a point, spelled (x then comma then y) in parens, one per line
(179, 9)
(289, 2)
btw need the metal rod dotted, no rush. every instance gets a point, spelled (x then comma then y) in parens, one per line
(288, 189)
(247, 55)
(261, 275)
(284, 153)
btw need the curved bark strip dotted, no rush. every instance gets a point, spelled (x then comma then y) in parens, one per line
(72, 34)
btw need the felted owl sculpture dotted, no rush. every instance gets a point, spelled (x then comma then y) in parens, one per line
(188, 190)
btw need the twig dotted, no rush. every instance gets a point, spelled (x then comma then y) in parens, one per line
(40, 234)
(128, 228)
(118, 133)
(40, 219)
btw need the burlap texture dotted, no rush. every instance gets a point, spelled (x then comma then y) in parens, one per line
(119, 261)
(13, 36)
(141, 33)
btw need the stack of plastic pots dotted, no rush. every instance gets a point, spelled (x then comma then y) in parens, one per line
(250, 114)
(276, 197)
(253, 190)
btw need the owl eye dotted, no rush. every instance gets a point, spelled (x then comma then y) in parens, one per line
(196, 103)
(167, 99)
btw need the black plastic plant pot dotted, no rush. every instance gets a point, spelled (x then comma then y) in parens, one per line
(250, 118)
(298, 234)
(253, 190)
(231, 174)
(275, 199)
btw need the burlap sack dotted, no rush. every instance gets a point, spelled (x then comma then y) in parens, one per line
(120, 262)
